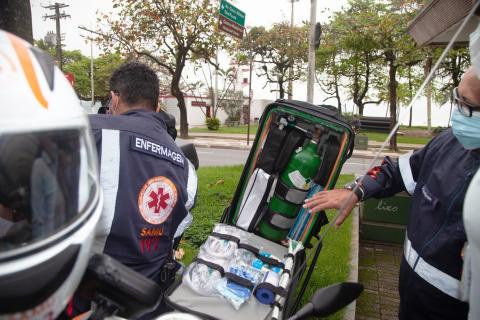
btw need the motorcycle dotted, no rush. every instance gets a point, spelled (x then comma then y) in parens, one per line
(122, 292)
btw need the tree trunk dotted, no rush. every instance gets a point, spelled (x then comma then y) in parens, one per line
(177, 93)
(213, 101)
(16, 17)
(281, 89)
(360, 109)
(427, 68)
(337, 94)
(410, 120)
(392, 91)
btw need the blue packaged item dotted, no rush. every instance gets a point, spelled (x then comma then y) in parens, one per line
(257, 264)
(303, 216)
(235, 293)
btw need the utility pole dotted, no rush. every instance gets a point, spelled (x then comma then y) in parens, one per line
(250, 93)
(290, 70)
(215, 97)
(57, 16)
(311, 51)
(92, 83)
(428, 90)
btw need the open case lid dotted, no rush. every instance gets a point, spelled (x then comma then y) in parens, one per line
(323, 115)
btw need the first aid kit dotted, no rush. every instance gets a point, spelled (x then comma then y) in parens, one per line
(251, 263)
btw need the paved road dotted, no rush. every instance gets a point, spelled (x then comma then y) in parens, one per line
(223, 157)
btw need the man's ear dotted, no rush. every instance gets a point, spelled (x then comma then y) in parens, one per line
(114, 103)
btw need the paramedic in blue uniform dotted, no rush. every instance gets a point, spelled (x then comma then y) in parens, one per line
(148, 184)
(437, 177)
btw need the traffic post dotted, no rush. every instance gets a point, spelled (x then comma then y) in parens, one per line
(231, 20)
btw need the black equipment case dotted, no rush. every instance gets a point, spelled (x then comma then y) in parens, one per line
(286, 128)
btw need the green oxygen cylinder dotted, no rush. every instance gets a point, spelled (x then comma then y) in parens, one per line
(291, 190)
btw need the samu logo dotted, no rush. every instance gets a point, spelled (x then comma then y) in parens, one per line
(156, 199)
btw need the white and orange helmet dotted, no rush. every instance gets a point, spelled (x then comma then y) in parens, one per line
(50, 199)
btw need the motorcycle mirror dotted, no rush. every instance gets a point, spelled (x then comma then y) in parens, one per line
(328, 300)
(191, 153)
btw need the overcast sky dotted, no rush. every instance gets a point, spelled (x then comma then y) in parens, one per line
(83, 12)
(258, 13)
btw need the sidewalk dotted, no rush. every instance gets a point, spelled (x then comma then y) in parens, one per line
(239, 141)
(378, 270)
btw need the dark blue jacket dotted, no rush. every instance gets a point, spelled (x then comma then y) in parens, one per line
(144, 180)
(437, 177)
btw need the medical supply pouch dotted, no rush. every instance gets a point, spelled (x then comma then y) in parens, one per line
(230, 273)
(254, 199)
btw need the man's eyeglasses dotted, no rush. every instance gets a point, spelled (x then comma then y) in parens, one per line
(464, 107)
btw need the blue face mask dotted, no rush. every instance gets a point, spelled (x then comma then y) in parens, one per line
(466, 129)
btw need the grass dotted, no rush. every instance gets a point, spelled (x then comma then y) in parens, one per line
(372, 135)
(380, 136)
(216, 188)
(226, 130)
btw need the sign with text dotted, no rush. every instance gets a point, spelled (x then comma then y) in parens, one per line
(387, 210)
(232, 13)
(199, 104)
(231, 20)
(230, 27)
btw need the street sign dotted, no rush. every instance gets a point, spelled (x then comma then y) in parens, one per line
(230, 27)
(199, 104)
(232, 13)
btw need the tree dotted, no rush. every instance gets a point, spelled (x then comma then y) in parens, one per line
(207, 73)
(330, 65)
(357, 54)
(232, 104)
(168, 34)
(79, 65)
(450, 73)
(103, 68)
(412, 78)
(277, 50)
(16, 17)
(396, 46)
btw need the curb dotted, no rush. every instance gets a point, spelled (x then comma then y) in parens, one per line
(245, 147)
(219, 146)
(194, 136)
(353, 264)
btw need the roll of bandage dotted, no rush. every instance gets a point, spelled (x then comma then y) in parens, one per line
(266, 289)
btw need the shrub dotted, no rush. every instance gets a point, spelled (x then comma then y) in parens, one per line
(213, 123)
(438, 130)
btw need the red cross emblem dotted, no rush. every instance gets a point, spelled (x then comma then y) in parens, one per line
(156, 199)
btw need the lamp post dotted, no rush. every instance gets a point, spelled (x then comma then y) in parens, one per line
(290, 70)
(311, 51)
(92, 83)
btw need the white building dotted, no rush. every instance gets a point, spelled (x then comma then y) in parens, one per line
(198, 109)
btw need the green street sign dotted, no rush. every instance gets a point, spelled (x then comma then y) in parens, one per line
(232, 13)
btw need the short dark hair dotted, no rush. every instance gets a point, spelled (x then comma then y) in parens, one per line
(136, 83)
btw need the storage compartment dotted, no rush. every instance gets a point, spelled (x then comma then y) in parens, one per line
(303, 147)
(205, 298)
